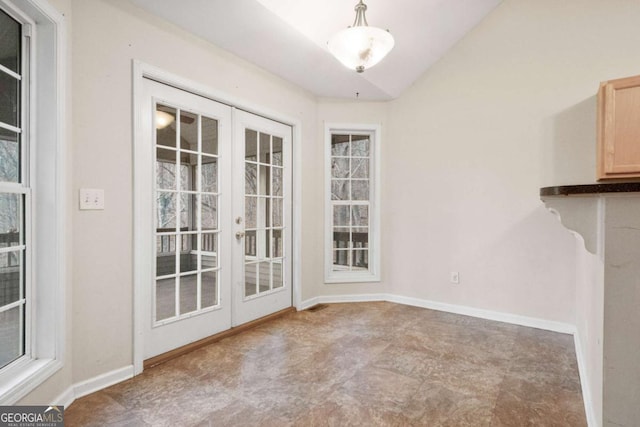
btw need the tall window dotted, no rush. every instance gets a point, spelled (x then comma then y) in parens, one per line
(352, 236)
(32, 157)
(14, 194)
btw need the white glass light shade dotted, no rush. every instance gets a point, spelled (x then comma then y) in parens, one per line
(361, 47)
(163, 119)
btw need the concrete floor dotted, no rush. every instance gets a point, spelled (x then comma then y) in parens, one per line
(356, 364)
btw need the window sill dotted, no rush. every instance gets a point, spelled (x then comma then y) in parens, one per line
(351, 277)
(25, 376)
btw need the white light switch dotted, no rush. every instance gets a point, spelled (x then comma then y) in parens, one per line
(91, 199)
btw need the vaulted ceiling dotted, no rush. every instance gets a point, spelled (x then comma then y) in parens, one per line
(289, 37)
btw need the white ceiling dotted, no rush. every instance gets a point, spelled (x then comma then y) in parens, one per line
(289, 37)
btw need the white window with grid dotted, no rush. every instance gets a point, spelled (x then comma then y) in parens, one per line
(32, 196)
(352, 203)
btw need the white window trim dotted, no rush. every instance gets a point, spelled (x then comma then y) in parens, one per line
(373, 273)
(46, 129)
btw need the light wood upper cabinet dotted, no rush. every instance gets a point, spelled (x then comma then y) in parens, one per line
(619, 128)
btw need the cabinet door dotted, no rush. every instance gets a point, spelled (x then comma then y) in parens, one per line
(619, 128)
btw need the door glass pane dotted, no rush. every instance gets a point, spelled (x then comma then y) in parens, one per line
(10, 219)
(250, 244)
(165, 121)
(209, 212)
(276, 243)
(188, 254)
(165, 298)
(209, 174)
(187, 211)
(251, 145)
(276, 180)
(165, 169)
(251, 212)
(9, 156)
(277, 274)
(166, 210)
(265, 148)
(276, 151)
(188, 293)
(188, 131)
(10, 45)
(251, 179)
(250, 279)
(209, 136)
(264, 180)
(11, 337)
(264, 274)
(165, 255)
(209, 289)
(10, 286)
(277, 212)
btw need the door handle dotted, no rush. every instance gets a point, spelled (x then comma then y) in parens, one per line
(239, 235)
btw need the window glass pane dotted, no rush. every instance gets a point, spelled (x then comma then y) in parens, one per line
(188, 293)
(360, 215)
(360, 237)
(10, 286)
(339, 145)
(188, 131)
(209, 175)
(340, 260)
(9, 156)
(341, 238)
(340, 189)
(360, 168)
(360, 259)
(10, 219)
(339, 168)
(10, 335)
(360, 189)
(209, 136)
(9, 44)
(165, 298)
(209, 291)
(9, 100)
(360, 146)
(166, 126)
(340, 216)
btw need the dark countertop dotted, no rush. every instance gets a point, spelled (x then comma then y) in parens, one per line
(568, 190)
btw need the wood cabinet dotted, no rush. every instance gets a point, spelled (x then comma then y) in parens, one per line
(619, 129)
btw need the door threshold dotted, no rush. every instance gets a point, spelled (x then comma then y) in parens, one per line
(177, 352)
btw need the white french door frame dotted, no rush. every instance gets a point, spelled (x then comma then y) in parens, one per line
(141, 264)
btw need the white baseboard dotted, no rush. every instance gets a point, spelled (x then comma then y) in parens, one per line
(532, 322)
(92, 385)
(585, 382)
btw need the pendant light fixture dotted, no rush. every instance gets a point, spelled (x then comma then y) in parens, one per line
(360, 46)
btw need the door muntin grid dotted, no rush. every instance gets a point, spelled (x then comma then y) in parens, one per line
(15, 195)
(264, 250)
(186, 214)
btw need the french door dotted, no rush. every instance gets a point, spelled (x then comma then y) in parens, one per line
(218, 208)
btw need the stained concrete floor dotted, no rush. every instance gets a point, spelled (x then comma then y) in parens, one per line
(363, 364)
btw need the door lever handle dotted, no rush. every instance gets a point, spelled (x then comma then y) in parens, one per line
(239, 235)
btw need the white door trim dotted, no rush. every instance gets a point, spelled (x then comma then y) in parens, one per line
(141, 70)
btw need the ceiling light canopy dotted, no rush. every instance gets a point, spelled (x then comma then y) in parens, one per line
(360, 46)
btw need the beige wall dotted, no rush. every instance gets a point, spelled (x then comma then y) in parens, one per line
(509, 109)
(107, 37)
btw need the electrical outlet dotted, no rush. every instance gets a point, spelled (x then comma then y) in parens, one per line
(91, 199)
(454, 277)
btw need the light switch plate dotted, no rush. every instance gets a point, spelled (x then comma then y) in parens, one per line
(91, 199)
